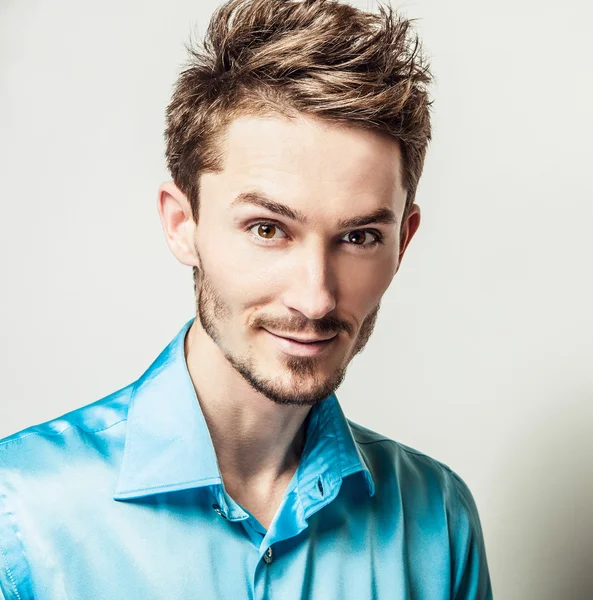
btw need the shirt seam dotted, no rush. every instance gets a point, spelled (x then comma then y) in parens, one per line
(351, 471)
(374, 441)
(9, 573)
(166, 485)
(52, 433)
(409, 451)
(457, 505)
(339, 440)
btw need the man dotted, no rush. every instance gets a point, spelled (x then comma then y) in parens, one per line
(295, 138)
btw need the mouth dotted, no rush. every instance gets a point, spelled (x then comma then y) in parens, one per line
(294, 346)
(309, 340)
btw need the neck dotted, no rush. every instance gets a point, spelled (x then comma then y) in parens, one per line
(257, 441)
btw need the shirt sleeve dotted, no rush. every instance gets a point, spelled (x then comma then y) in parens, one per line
(8, 590)
(14, 575)
(471, 578)
(8, 585)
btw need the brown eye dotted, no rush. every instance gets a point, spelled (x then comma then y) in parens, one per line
(362, 238)
(266, 230)
(357, 237)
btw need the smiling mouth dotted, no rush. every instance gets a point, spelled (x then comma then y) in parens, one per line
(301, 346)
(319, 340)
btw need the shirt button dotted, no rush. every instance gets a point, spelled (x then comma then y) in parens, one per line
(268, 555)
(216, 507)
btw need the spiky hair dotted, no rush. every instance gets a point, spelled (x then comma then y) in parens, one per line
(317, 57)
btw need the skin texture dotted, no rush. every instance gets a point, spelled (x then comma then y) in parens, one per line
(263, 274)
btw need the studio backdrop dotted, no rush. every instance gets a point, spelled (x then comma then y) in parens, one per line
(482, 353)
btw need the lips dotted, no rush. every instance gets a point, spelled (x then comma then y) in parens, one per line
(311, 340)
(310, 346)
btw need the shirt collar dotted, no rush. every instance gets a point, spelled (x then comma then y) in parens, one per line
(168, 445)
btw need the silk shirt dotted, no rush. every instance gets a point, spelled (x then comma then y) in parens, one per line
(123, 498)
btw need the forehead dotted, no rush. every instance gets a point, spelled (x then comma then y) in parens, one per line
(308, 160)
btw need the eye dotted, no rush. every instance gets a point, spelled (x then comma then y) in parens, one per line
(362, 238)
(266, 231)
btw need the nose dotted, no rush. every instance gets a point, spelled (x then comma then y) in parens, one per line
(311, 289)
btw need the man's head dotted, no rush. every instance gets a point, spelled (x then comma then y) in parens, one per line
(295, 138)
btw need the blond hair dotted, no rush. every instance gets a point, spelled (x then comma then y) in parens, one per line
(317, 57)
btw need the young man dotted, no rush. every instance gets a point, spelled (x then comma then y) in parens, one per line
(295, 138)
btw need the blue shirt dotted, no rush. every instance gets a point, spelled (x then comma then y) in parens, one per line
(123, 498)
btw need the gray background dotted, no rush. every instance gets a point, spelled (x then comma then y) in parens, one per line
(482, 353)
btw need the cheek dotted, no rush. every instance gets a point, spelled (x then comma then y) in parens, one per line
(363, 284)
(363, 287)
(243, 278)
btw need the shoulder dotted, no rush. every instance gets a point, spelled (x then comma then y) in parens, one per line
(425, 490)
(413, 472)
(62, 433)
(376, 447)
(49, 471)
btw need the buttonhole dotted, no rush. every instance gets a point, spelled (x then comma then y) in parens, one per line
(320, 486)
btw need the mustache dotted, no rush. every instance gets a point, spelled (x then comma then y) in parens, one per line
(327, 324)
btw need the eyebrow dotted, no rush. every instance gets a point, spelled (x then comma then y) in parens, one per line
(259, 199)
(382, 215)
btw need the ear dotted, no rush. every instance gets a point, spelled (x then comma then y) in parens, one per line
(178, 223)
(409, 228)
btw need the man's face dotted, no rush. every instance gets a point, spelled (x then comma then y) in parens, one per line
(297, 240)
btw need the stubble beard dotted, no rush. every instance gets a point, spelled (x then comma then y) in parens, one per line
(307, 387)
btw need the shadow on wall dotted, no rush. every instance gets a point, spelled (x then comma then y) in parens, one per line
(545, 530)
